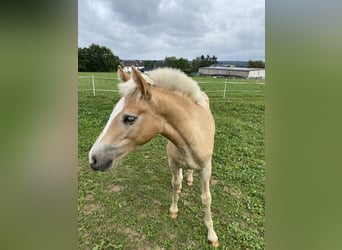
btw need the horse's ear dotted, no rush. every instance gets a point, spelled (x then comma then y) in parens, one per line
(143, 86)
(123, 76)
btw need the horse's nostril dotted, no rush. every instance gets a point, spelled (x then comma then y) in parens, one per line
(94, 159)
(93, 162)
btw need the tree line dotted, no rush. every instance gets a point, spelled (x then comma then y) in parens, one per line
(97, 58)
(189, 67)
(256, 64)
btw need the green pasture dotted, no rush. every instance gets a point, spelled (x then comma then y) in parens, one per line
(127, 207)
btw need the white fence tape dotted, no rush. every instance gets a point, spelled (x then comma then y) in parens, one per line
(225, 90)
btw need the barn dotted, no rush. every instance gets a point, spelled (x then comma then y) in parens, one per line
(235, 72)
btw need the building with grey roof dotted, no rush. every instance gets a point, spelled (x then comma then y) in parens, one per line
(233, 72)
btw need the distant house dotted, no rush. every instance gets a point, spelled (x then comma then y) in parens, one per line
(126, 64)
(234, 72)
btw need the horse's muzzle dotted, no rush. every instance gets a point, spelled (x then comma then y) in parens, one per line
(101, 156)
(100, 164)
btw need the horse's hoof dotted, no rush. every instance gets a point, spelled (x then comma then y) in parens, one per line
(214, 243)
(173, 215)
(189, 183)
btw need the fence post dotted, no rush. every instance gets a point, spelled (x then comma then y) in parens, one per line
(225, 88)
(93, 79)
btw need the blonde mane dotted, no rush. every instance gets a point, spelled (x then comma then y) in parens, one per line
(170, 79)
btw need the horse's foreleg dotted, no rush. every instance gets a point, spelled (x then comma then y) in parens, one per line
(180, 176)
(176, 183)
(206, 200)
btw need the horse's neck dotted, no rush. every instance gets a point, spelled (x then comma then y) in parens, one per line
(185, 122)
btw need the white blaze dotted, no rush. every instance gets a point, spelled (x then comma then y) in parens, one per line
(117, 109)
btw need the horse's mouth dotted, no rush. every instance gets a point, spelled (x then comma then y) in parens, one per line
(107, 165)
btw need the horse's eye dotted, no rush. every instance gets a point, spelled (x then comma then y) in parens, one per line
(129, 119)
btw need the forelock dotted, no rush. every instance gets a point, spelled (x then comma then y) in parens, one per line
(130, 88)
(127, 88)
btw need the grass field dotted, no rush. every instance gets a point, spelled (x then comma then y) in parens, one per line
(127, 207)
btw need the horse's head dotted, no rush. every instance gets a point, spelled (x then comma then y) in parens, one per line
(133, 122)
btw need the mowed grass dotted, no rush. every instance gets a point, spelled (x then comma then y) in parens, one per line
(127, 207)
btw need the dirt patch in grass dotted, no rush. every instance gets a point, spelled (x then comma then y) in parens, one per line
(89, 208)
(157, 202)
(115, 188)
(233, 191)
(189, 203)
(214, 182)
(89, 197)
(134, 236)
(130, 233)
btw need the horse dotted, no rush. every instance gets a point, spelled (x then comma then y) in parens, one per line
(163, 101)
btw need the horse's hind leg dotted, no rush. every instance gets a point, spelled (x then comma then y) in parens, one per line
(206, 200)
(189, 178)
(176, 183)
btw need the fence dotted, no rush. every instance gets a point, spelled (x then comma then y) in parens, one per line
(214, 86)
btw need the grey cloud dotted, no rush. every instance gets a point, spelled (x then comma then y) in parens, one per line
(135, 12)
(151, 29)
(160, 16)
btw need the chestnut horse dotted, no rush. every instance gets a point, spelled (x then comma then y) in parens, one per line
(166, 102)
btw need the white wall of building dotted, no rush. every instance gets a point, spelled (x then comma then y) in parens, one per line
(260, 73)
(233, 72)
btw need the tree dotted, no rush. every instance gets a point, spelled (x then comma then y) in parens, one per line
(83, 59)
(256, 64)
(181, 63)
(187, 67)
(195, 64)
(170, 62)
(97, 59)
(150, 64)
(202, 61)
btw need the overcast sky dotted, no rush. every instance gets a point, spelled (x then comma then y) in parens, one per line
(153, 29)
